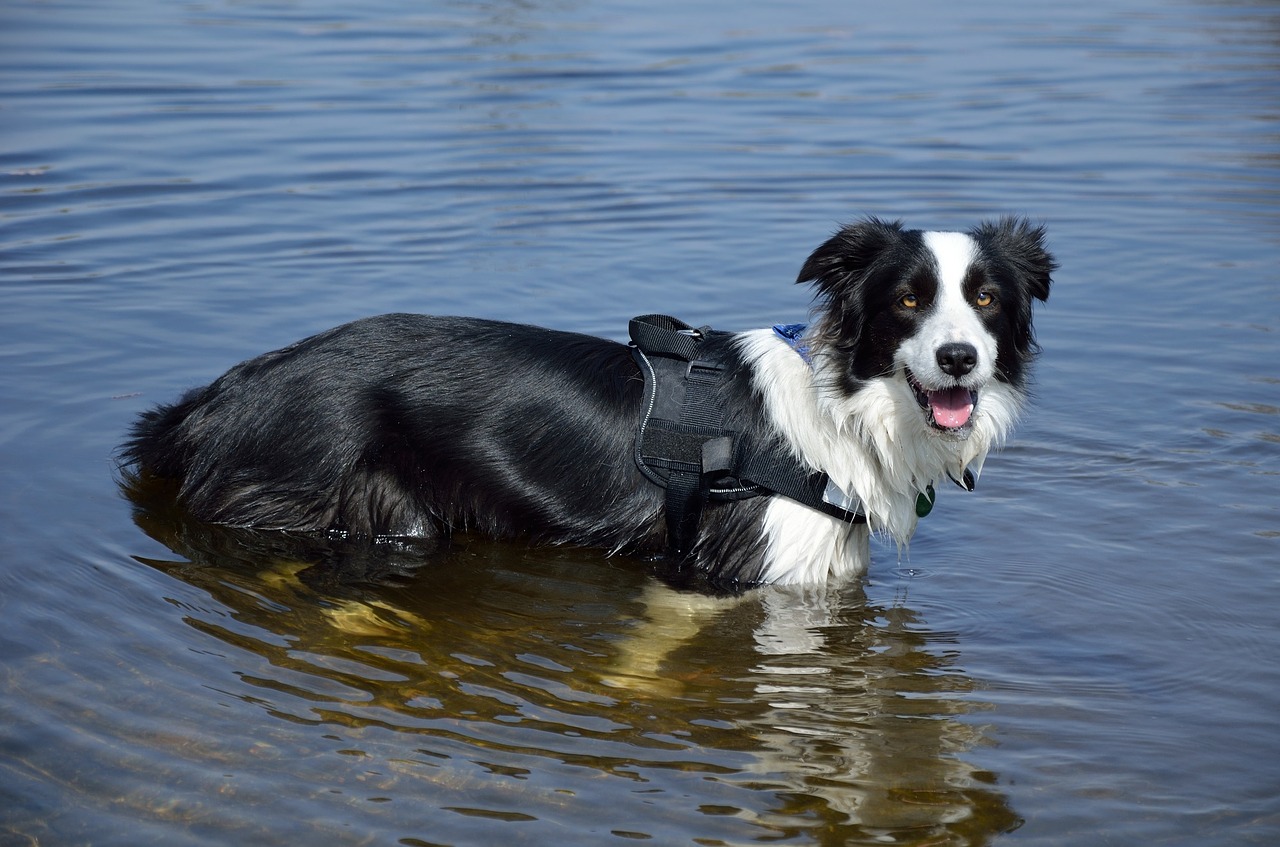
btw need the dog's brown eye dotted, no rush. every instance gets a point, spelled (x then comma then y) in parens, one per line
(984, 298)
(910, 301)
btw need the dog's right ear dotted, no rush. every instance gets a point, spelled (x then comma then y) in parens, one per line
(838, 270)
(849, 255)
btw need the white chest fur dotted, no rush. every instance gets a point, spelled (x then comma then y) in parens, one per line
(874, 444)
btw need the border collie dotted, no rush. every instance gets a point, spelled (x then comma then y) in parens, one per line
(915, 365)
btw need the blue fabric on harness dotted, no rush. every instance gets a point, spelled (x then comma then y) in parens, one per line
(685, 445)
(793, 334)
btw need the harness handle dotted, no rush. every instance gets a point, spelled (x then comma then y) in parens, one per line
(667, 336)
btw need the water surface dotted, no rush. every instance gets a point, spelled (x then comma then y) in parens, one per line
(1081, 651)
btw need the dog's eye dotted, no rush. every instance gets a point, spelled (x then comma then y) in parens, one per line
(984, 298)
(910, 301)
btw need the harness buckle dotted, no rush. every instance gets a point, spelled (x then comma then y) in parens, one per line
(704, 369)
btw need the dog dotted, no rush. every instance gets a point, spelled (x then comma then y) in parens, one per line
(915, 365)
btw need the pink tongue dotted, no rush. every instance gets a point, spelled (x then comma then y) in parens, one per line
(951, 407)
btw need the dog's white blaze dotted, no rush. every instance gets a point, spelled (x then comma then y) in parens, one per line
(950, 319)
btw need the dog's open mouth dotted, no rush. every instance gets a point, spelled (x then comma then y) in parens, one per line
(948, 409)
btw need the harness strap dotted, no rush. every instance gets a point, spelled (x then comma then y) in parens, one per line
(683, 446)
(815, 490)
(688, 443)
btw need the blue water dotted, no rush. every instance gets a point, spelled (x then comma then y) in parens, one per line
(1083, 651)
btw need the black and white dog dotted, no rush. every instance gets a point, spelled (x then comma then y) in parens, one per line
(914, 367)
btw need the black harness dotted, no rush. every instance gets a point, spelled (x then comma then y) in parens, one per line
(685, 445)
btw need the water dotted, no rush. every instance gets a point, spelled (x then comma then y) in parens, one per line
(1080, 652)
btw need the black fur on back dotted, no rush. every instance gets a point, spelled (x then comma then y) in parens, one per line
(411, 425)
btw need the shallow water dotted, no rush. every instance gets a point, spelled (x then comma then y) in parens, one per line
(1081, 651)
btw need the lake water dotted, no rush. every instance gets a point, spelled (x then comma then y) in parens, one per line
(1083, 651)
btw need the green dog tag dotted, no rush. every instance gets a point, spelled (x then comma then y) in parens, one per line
(924, 501)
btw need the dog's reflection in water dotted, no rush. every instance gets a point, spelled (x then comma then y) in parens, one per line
(835, 706)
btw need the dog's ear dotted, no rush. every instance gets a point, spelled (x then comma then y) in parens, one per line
(1022, 244)
(848, 255)
(839, 270)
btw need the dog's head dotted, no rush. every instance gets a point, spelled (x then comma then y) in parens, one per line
(941, 316)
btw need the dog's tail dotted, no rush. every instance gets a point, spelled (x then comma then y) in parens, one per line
(157, 444)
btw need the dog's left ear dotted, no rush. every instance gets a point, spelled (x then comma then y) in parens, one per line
(1022, 243)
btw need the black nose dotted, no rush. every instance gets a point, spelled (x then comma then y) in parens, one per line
(957, 358)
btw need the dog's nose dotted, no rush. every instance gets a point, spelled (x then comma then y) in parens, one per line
(957, 358)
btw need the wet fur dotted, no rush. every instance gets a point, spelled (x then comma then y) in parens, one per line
(412, 425)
